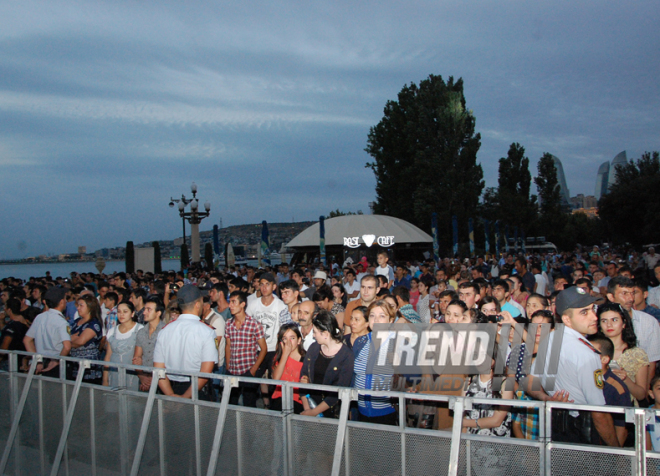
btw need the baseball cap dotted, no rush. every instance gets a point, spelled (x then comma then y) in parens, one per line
(320, 275)
(573, 298)
(188, 294)
(56, 294)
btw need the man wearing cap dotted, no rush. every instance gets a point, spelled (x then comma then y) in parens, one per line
(49, 334)
(186, 344)
(579, 372)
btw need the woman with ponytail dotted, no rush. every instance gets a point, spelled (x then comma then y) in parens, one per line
(328, 362)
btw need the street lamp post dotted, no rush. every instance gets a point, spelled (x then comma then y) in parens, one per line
(194, 217)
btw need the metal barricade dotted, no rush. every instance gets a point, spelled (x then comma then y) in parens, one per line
(62, 427)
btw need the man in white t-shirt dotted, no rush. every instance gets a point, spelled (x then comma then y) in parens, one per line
(352, 286)
(266, 311)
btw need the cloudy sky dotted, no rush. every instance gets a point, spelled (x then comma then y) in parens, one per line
(109, 108)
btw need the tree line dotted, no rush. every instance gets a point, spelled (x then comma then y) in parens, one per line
(424, 158)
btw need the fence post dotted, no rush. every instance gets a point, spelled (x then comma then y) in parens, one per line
(640, 439)
(156, 375)
(69, 417)
(287, 409)
(345, 397)
(402, 427)
(18, 413)
(547, 409)
(220, 425)
(458, 406)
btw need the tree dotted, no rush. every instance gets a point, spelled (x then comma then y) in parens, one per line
(425, 150)
(631, 210)
(515, 206)
(185, 258)
(552, 218)
(158, 263)
(130, 257)
(339, 213)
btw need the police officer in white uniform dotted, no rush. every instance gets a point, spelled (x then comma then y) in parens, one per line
(49, 334)
(186, 344)
(579, 373)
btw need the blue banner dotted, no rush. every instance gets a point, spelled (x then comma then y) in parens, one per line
(497, 239)
(265, 243)
(322, 239)
(471, 235)
(434, 230)
(454, 222)
(486, 243)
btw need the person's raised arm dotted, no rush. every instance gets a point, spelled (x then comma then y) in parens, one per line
(281, 365)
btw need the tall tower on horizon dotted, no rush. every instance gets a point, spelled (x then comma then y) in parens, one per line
(561, 178)
(602, 180)
(619, 159)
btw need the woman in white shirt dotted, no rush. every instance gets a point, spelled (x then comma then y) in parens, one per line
(121, 346)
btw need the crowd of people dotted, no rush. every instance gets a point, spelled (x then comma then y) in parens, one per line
(312, 323)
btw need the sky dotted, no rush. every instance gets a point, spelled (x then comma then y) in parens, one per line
(109, 109)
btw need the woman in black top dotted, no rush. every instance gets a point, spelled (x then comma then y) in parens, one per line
(328, 362)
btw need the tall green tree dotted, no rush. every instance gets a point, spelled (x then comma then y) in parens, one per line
(631, 210)
(516, 207)
(424, 153)
(552, 217)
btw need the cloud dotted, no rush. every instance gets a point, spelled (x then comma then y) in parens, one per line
(109, 108)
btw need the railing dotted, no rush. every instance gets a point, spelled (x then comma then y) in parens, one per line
(57, 426)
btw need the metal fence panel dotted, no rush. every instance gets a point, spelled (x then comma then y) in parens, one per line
(262, 442)
(5, 413)
(179, 437)
(427, 450)
(499, 456)
(583, 462)
(79, 441)
(108, 439)
(150, 462)
(311, 439)
(374, 450)
(228, 456)
(653, 465)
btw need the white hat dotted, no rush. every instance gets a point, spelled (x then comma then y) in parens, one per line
(320, 275)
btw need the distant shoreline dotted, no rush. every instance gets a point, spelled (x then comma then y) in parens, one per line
(22, 262)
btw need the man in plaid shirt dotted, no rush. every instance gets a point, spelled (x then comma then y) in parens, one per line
(245, 348)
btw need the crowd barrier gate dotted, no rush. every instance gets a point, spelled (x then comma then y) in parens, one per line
(62, 427)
